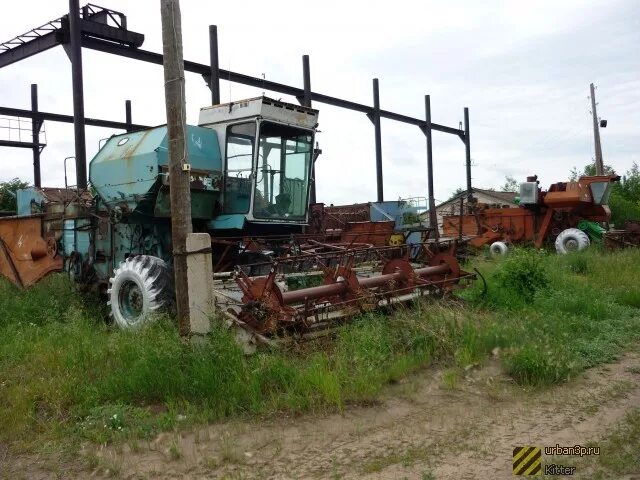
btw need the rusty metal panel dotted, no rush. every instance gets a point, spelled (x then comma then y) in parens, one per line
(25, 256)
(339, 215)
(374, 233)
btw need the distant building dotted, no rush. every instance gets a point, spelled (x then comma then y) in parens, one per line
(490, 197)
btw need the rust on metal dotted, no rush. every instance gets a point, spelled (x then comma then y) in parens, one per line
(267, 308)
(25, 255)
(628, 237)
(560, 207)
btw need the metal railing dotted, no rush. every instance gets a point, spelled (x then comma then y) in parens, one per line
(19, 129)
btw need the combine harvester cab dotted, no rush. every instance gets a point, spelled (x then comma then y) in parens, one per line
(569, 215)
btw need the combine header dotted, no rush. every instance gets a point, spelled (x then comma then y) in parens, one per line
(251, 164)
(267, 305)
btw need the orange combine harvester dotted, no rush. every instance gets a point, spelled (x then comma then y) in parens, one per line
(568, 214)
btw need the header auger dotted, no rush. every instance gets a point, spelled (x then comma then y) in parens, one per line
(267, 305)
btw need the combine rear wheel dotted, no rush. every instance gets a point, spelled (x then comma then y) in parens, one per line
(140, 286)
(498, 249)
(571, 240)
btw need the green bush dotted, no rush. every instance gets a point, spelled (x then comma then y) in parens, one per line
(623, 209)
(541, 364)
(8, 194)
(523, 272)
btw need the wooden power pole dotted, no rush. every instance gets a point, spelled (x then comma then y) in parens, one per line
(179, 168)
(596, 133)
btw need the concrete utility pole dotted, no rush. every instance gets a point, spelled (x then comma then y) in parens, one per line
(596, 133)
(179, 169)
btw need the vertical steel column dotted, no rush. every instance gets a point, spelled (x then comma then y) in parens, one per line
(75, 53)
(214, 74)
(460, 217)
(306, 78)
(127, 115)
(378, 138)
(35, 134)
(306, 102)
(467, 148)
(433, 218)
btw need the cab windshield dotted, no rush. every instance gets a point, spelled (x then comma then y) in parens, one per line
(282, 176)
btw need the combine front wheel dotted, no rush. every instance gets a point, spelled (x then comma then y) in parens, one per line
(140, 286)
(571, 240)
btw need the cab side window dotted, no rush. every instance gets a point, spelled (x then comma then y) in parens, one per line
(239, 167)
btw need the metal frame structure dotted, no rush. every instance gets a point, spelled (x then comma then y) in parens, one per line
(105, 30)
(38, 117)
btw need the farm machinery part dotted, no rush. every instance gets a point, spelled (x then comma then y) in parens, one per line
(268, 307)
(299, 252)
(25, 255)
(628, 237)
(393, 222)
(568, 215)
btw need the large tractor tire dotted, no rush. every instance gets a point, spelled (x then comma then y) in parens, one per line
(140, 286)
(571, 240)
(498, 249)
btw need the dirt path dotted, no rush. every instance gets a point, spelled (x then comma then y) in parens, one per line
(420, 430)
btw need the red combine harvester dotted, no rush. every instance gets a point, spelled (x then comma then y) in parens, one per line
(568, 215)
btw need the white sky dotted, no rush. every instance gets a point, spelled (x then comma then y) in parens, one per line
(523, 69)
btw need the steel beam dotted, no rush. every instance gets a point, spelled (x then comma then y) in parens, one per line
(378, 138)
(109, 33)
(433, 218)
(58, 117)
(35, 136)
(28, 49)
(205, 71)
(467, 150)
(306, 82)
(214, 67)
(75, 54)
(14, 143)
(127, 115)
(306, 102)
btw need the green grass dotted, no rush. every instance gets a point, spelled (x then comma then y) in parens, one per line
(583, 312)
(66, 374)
(619, 451)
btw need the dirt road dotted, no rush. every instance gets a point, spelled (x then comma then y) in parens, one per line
(426, 427)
